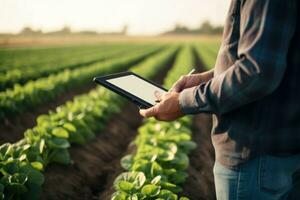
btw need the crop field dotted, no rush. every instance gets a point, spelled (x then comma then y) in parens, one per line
(64, 137)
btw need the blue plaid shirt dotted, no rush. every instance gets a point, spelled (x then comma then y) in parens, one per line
(254, 95)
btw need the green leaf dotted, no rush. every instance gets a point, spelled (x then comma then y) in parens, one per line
(1, 188)
(34, 176)
(151, 190)
(125, 186)
(139, 180)
(136, 178)
(119, 196)
(156, 180)
(156, 169)
(19, 178)
(167, 195)
(76, 137)
(177, 125)
(11, 167)
(184, 198)
(178, 177)
(42, 119)
(37, 165)
(187, 146)
(3, 149)
(133, 197)
(60, 132)
(16, 188)
(22, 157)
(59, 143)
(15, 184)
(181, 161)
(70, 127)
(60, 156)
(142, 165)
(126, 162)
(34, 192)
(170, 186)
(41, 146)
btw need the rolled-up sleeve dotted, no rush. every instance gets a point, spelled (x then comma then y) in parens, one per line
(266, 29)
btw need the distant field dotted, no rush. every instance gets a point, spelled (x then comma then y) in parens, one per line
(63, 137)
(52, 40)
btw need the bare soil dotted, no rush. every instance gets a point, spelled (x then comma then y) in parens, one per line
(200, 182)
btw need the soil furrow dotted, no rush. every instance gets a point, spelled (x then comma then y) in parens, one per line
(200, 182)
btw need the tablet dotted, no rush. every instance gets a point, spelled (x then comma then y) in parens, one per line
(133, 87)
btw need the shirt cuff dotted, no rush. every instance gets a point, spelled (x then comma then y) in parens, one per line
(187, 101)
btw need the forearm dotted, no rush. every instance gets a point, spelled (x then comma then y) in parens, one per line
(206, 76)
(237, 86)
(196, 79)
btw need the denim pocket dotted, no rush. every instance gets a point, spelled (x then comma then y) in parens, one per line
(275, 175)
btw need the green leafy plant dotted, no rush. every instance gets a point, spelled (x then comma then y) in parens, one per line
(22, 65)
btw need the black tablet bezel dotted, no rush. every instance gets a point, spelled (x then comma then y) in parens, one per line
(102, 80)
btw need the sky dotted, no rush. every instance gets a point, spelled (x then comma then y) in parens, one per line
(143, 17)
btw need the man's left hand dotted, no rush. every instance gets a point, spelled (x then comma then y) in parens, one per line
(167, 109)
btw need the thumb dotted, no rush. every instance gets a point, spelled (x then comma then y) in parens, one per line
(179, 84)
(175, 87)
(150, 112)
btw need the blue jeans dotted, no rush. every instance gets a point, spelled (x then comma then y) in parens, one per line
(263, 178)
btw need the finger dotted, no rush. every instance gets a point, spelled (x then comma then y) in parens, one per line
(178, 85)
(175, 87)
(158, 96)
(150, 112)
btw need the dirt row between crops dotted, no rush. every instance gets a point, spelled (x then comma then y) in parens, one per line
(200, 182)
(95, 162)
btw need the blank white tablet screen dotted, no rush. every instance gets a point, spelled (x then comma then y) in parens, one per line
(138, 87)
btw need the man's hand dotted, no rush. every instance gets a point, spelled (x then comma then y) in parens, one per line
(167, 109)
(188, 81)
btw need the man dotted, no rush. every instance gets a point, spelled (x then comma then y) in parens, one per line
(254, 95)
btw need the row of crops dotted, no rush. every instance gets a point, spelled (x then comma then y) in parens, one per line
(156, 169)
(34, 93)
(35, 67)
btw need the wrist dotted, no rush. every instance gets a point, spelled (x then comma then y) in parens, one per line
(187, 102)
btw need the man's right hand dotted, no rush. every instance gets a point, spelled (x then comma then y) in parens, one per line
(188, 81)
